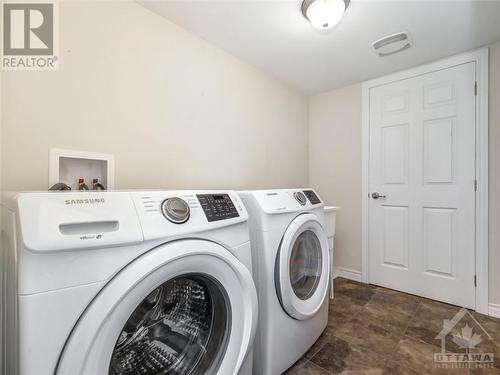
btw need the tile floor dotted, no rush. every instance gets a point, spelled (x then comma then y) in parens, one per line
(373, 330)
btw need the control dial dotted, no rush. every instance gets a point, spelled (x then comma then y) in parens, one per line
(300, 197)
(175, 210)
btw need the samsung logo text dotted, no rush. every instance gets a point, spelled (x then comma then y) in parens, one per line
(84, 201)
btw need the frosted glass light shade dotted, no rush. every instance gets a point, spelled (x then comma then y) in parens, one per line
(325, 14)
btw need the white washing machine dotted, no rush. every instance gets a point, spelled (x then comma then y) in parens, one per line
(291, 271)
(154, 282)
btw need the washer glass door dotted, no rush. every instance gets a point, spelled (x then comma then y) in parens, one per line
(302, 267)
(184, 308)
(180, 328)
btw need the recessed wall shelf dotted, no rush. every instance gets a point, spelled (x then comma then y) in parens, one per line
(68, 166)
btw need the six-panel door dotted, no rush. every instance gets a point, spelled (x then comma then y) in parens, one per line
(422, 164)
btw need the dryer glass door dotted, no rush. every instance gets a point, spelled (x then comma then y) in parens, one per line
(306, 261)
(181, 327)
(302, 267)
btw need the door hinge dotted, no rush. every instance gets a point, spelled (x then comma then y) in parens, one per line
(475, 280)
(475, 88)
(475, 185)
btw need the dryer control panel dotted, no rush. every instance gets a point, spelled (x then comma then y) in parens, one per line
(311, 195)
(285, 200)
(217, 206)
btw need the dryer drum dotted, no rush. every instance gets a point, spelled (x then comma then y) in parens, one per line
(180, 328)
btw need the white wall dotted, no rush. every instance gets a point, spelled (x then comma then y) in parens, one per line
(175, 111)
(335, 166)
(494, 166)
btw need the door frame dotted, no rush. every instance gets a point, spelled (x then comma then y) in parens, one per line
(480, 57)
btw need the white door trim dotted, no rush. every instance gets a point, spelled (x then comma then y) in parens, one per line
(480, 57)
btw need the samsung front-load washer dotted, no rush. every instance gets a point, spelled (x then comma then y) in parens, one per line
(150, 282)
(291, 268)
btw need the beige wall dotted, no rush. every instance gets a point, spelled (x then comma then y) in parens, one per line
(335, 166)
(174, 110)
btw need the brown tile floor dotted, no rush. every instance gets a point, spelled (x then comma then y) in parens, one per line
(373, 330)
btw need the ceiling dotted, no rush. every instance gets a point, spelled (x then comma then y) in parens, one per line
(273, 35)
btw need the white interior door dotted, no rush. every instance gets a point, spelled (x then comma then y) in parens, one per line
(422, 164)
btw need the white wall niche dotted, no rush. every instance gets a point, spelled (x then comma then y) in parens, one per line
(68, 166)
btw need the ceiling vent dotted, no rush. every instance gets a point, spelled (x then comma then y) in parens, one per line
(391, 44)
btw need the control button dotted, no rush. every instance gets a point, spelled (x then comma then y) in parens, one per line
(217, 206)
(175, 210)
(300, 197)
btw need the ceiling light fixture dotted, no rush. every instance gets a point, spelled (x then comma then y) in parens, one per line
(324, 14)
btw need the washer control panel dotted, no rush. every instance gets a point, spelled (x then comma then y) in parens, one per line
(161, 213)
(311, 195)
(217, 206)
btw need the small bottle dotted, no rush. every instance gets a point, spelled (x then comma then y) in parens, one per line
(96, 185)
(82, 185)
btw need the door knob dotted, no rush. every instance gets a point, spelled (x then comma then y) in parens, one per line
(376, 195)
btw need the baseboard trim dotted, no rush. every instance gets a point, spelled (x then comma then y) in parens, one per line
(494, 310)
(347, 273)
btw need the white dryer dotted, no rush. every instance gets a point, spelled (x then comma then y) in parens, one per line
(291, 271)
(151, 282)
